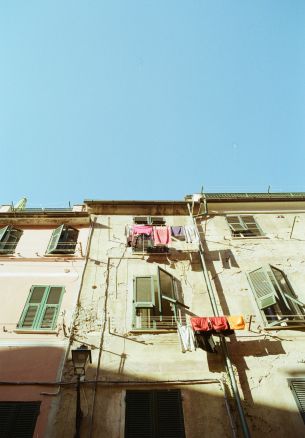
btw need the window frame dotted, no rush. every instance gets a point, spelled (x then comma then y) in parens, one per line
(54, 242)
(240, 228)
(299, 396)
(270, 298)
(15, 416)
(158, 314)
(41, 309)
(5, 234)
(149, 220)
(153, 422)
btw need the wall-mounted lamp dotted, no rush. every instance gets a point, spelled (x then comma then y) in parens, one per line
(81, 356)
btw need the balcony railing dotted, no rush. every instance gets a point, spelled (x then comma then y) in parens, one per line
(286, 321)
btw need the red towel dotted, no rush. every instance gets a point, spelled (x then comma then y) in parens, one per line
(162, 235)
(219, 323)
(200, 324)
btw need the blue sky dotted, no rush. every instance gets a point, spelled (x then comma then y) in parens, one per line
(150, 99)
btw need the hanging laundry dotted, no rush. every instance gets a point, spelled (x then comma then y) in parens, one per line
(196, 197)
(218, 323)
(236, 322)
(162, 235)
(178, 231)
(190, 234)
(142, 229)
(186, 338)
(205, 341)
(201, 324)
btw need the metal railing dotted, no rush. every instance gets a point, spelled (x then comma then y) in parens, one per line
(289, 321)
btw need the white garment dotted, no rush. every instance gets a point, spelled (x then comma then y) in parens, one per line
(186, 337)
(190, 234)
(196, 197)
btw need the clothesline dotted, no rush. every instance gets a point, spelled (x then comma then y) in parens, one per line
(200, 332)
(161, 235)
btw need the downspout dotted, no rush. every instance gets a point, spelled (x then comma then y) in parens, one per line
(244, 425)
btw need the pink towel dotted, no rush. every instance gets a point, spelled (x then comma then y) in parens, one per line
(141, 229)
(162, 235)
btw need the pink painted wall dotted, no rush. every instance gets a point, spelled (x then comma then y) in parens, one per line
(32, 356)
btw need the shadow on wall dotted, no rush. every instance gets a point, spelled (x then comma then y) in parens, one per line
(203, 404)
(25, 376)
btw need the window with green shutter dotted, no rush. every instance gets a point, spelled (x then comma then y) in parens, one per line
(243, 226)
(9, 238)
(275, 297)
(154, 414)
(297, 387)
(41, 309)
(155, 301)
(18, 419)
(63, 240)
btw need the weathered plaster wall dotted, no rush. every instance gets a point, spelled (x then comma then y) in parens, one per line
(263, 359)
(105, 323)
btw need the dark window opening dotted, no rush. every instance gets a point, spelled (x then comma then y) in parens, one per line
(154, 414)
(9, 238)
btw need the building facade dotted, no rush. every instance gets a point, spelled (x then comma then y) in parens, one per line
(149, 269)
(42, 259)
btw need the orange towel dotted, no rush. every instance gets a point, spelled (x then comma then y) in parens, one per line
(236, 322)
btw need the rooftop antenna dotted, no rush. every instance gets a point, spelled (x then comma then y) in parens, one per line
(20, 204)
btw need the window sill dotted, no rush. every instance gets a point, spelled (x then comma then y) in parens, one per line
(287, 327)
(60, 255)
(246, 237)
(36, 332)
(151, 331)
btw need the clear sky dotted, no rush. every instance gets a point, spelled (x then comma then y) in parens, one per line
(150, 99)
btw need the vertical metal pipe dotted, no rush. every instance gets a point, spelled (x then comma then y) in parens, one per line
(78, 418)
(223, 344)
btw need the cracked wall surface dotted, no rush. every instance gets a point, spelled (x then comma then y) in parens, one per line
(262, 359)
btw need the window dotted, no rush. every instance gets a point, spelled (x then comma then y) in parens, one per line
(18, 419)
(155, 301)
(154, 414)
(244, 226)
(297, 387)
(9, 237)
(142, 242)
(275, 297)
(41, 309)
(148, 220)
(63, 240)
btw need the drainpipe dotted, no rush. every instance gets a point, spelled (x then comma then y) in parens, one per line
(244, 425)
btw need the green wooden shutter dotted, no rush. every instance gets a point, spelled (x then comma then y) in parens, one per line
(236, 224)
(3, 231)
(18, 419)
(144, 291)
(251, 225)
(2, 235)
(31, 311)
(55, 239)
(11, 240)
(154, 414)
(166, 283)
(139, 418)
(169, 414)
(262, 287)
(297, 387)
(49, 312)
